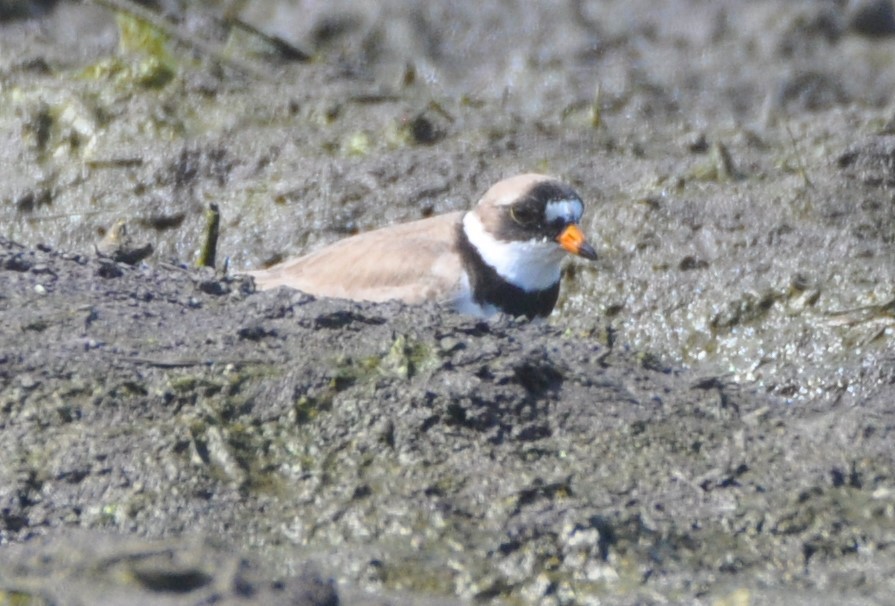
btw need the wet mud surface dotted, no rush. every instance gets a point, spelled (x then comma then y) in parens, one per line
(706, 418)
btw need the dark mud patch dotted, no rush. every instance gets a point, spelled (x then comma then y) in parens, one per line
(428, 454)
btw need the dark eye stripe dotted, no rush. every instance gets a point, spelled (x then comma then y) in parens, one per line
(542, 212)
(526, 216)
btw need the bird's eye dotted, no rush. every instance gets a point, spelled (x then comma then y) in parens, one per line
(526, 217)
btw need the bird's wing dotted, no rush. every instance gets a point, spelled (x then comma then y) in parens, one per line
(412, 262)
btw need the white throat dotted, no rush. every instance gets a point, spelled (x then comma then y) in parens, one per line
(531, 265)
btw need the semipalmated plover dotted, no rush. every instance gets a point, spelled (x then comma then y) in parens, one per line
(502, 256)
(118, 245)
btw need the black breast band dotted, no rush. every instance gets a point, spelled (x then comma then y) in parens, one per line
(488, 287)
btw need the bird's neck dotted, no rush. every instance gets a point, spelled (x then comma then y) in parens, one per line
(511, 276)
(529, 264)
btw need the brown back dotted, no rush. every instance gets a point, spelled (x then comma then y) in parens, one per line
(412, 262)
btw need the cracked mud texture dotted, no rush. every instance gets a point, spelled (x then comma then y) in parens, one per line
(706, 418)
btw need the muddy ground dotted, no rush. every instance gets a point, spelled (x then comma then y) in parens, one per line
(707, 417)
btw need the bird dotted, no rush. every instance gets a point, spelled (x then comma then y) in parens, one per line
(119, 246)
(502, 256)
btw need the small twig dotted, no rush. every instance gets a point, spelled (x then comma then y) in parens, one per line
(288, 51)
(80, 213)
(799, 162)
(114, 163)
(863, 314)
(216, 53)
(192, 362)
(208, 254)
(596, 108)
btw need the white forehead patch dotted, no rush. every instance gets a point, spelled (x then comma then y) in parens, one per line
(569, 211)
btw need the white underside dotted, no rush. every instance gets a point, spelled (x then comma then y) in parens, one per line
(466, 305)
(531, 265)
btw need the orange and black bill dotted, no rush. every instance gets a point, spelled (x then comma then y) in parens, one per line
(572, 239)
